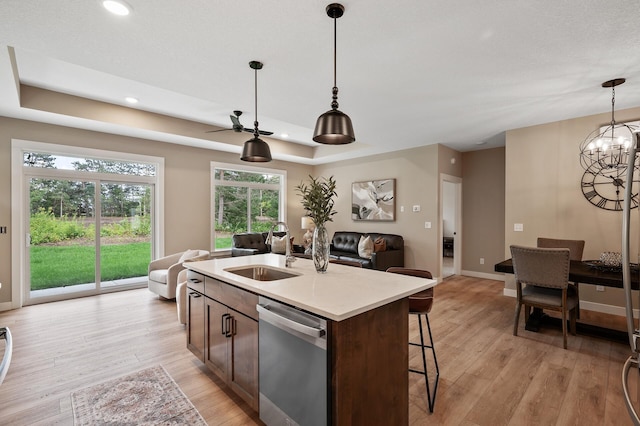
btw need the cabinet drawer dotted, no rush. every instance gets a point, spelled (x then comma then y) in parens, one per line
(195, 281)
(213, 289)
(233, 297)
(240, 300)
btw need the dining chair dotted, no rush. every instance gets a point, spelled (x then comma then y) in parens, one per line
(576, 248)
(420, 304)
(542, 281)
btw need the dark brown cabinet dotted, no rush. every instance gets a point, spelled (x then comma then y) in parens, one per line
(228, 322)
(195, 321)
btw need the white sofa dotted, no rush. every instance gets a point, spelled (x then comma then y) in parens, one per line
(163, 272)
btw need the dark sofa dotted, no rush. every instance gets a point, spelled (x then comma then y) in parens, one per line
(249, 243)
(344, 246)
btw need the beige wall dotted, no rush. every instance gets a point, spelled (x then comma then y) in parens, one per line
(543, 174)
(483, 209)
(417, 173)
(187, 183)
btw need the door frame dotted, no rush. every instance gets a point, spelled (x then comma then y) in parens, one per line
(20, 202)
(457, 239)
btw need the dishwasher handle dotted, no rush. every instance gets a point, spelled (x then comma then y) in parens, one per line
(276, 319)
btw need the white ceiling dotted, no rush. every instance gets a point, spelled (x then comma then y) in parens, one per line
(410, 73)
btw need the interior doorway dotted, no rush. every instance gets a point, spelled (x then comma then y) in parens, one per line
(451, 226)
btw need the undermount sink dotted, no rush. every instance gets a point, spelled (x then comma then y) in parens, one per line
(261, 273)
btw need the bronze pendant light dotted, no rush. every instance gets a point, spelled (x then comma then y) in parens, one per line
(334, 127)
(256, 150)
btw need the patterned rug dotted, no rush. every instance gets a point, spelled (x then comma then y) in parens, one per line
(146, 397)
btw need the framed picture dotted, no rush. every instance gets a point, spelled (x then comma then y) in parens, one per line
(374, 200)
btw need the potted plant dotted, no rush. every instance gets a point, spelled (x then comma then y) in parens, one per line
(317, 200)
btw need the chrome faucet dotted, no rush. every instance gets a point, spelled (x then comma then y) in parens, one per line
(288, 258)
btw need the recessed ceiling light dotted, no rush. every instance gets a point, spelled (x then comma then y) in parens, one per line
(131, 100)
(284, 135)
(117, 7)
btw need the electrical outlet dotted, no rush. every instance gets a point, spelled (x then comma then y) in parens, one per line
(427, 225)
(518, 227)
(599, 288)
(482, 260)
(401, 209)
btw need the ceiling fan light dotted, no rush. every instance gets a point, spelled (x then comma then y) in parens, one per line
(334, 128)
(256, 151)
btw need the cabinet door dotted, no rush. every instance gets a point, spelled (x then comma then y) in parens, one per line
(218, 337)
(195, 323)
(244, 358)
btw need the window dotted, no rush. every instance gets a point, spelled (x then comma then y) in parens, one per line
(245, 199)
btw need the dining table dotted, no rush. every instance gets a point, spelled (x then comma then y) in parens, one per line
(588, 272)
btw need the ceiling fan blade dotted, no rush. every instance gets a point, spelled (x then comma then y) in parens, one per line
(262, 132)
(214, 131)
(235, 121)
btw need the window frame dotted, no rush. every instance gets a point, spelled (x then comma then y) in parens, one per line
(282, 196)
(19, 202)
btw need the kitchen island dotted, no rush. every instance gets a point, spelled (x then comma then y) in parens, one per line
(366, 314)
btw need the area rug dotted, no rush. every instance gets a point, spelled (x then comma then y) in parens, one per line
(146, 397)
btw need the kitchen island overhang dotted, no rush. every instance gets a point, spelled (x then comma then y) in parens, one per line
(340, 293)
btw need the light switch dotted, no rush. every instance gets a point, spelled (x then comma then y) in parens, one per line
(427, 225)
(518, 227)
(416, 208)
(401, 209)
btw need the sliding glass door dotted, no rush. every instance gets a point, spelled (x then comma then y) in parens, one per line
(125, 233)
(61, 240)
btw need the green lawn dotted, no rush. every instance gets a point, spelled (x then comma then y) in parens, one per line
(223, 242)
(58, 266)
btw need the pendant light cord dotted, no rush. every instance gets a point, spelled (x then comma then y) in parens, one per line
(255, 103)
(613, 103)
(334, 102)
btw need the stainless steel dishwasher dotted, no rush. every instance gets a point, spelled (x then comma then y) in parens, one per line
(293, 366)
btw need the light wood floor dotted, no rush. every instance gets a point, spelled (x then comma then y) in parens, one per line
(487, 376)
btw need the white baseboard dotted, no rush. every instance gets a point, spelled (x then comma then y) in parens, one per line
(589, 306)
(485, 275)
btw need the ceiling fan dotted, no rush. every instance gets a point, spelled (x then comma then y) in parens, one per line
(238, 127)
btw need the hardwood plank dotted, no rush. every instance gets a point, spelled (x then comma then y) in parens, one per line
(487, 375)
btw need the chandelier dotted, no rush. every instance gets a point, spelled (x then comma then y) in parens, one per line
(608, 148)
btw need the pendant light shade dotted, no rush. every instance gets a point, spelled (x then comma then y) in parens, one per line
(256, 150)
(334, 127)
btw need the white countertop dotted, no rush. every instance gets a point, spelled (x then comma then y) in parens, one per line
(340, 293)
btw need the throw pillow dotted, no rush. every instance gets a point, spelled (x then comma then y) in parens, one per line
(188, 255)
(365, 247)
(380, 244)
(279, 244)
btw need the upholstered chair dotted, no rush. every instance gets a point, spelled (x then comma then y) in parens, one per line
(181, 297)
(163, 272)
(542, 281)
(576, 247)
